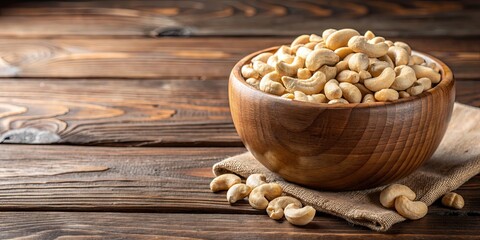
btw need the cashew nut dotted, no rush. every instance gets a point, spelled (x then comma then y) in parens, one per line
(276, 206)
(386, 95)
(319, 57)
(256, 179)
(262, 57)
(312, 85)
(303, 73)
(426, 83)
(338, 101)
(284, 52)
(287, 69)
(363, 89)
(255, 82)
(405, 77)
(340, 38)
(415, 89)
(422, 71)
(332, 90)
(312, 45)
(299, 216)
(415, 60)
(288, 96)
(403, 94)
(376, 40)
(387, 59)
(376, 67)
(360, 45)
(224, 182)
(303, 52)
(315, 38)
(260, 195)
(351, 93)
(237, 192)
(453, 200)
(433, 66)
(342, 65)
(314, 98)
(390, 193)
(330, 72)
(363, 74)
(383, 81)
(348, 76)
(319, 45)
(270, 83)
(412, 210)
(389, 43)
(262, 68)
(399, 54)
(248, 72)
(343, 52)
(404, 46)
(369, 35)
(302, 39)
(327, 33)
(358, 62)
(368, 98)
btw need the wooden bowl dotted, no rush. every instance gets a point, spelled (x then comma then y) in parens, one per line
(341, 147)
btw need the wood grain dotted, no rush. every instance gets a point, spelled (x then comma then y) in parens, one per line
(238, 18)
(71, 225)
(167, 58)
(128, 112)
(151, 180)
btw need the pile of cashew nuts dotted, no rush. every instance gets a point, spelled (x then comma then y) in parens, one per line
(264, 196)
(341, 66)
(402, 199)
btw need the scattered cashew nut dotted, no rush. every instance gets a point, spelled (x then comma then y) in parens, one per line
(255, 180)
(390, 193)
(237, 192)
(453, 200)
(276, 206)
(412, 210)
(224, 182)
(299, 216)
(260, 195)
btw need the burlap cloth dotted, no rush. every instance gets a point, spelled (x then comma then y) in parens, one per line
(456, 160)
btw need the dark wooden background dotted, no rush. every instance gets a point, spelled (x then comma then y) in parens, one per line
(129, 101)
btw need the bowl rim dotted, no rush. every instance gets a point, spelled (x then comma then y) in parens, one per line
(446, 82)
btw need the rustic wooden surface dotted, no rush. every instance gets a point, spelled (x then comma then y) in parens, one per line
(148, 79)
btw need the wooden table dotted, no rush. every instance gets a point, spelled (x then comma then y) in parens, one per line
(129, 103)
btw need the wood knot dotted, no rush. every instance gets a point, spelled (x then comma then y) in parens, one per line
(29, 136)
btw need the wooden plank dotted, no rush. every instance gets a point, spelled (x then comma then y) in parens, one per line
(234, 18)
(167, 58)
(53, 225)
(69, 178)
(128, 113)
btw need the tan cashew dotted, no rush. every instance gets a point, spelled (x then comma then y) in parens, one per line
(390, 193)
(302, 39)
(404, 46)
(343, 52)
(319, 45)
(319, 57)
(387, 59)
(312, 85)
(276, 206)
(351, 93)
(403, 94)
(315, 38)
(364, 75)
(255, 82)
(260, 195)
(383, 81)
(270, 83)
(399, 55)
(327, 32)
(248, 72)
(368, 98)
(389, 43)
(363, 89)
(404, 79)
(284, 52)
(289, 96)
(376, 40)
(303, 73)
(376, 68)
(299, 216)
(330, 72)
(426, 83)
(224, 182)
(453, 200)
(369, 35)
(303, 52)
(412, 210)
(314, 98)
(237, 192)
(342, 65)
(348, 76)
(386, 95)
(422, 71)
(289, 69)
(262, 57)
(360, 45)
(262, 68)
(433, 66)
(332, 90)
(338, 101)
(358, 62)
(255, 180)
(415, 60)
(415, 89)
(340, 38)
